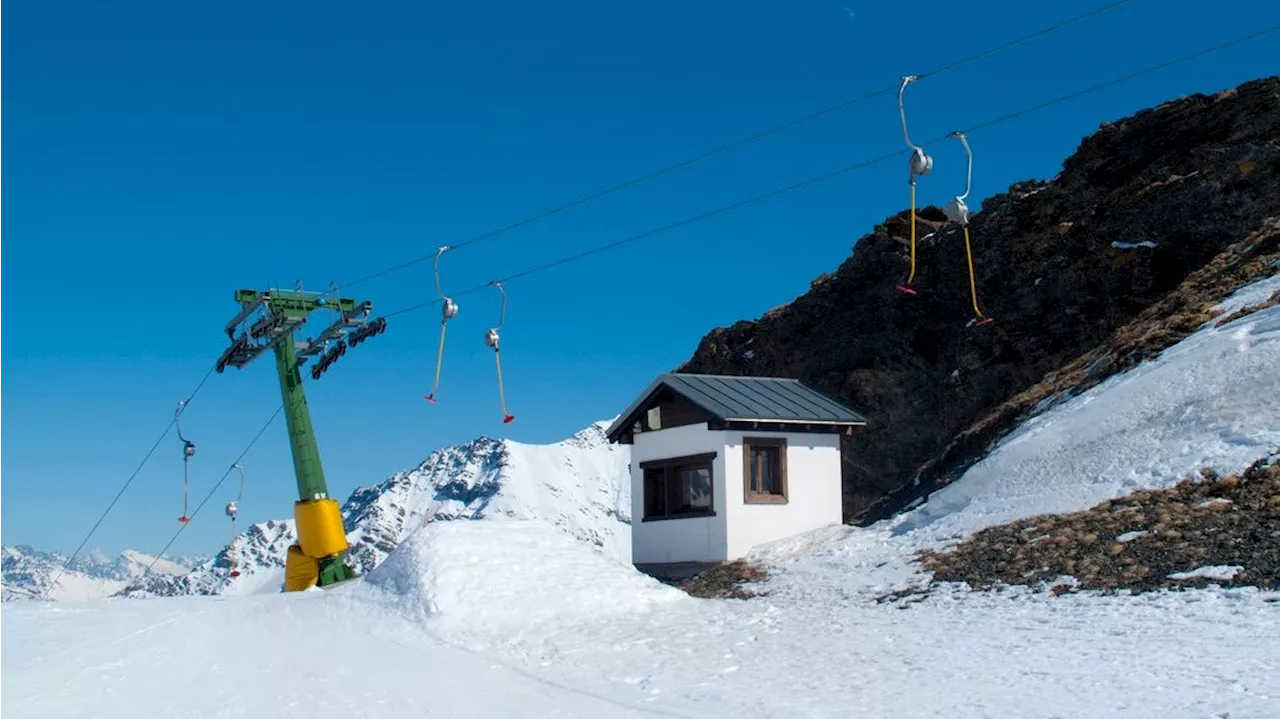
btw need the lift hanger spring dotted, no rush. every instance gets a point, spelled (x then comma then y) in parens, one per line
(448, 310)
(491, 339)
(919, 164)
(188, 451)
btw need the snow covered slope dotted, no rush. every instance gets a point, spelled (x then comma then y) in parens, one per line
(1207, 401)
(579, 486)
(27, 572)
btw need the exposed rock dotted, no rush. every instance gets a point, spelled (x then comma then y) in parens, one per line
(1061, 266)
(1224, 530)
(726, 580)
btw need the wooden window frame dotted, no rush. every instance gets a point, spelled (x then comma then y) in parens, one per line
(750, 497)
(691, 461)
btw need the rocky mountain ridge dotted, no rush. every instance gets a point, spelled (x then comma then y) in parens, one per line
(1061, 265)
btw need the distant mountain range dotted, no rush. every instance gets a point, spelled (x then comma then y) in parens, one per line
(28, 572)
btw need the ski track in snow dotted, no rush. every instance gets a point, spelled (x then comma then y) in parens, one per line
(512, 618)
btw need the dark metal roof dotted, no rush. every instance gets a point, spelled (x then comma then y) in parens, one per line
(762, 399)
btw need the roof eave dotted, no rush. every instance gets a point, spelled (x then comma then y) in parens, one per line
(630, 414)
(832, 422)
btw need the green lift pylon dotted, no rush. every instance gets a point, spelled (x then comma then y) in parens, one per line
(270, 319)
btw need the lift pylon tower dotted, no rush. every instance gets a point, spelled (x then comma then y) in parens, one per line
(267, 321)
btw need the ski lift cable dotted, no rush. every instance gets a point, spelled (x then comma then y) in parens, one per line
(1124, 78)
(111, 505)
(744, 142)
(852, 168)
(212, 491)
(659, 230)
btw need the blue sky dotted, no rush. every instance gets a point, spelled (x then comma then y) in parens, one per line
(161, 155)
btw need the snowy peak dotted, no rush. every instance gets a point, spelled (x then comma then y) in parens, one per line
(133, 564)
(378, 518)
(256, 552)
(579, 486)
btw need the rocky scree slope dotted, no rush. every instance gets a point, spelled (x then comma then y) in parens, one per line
(1228, 528)
(1060, 264)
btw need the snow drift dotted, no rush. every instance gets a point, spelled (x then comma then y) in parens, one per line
(499, 573)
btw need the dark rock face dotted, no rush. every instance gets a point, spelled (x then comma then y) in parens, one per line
(1173, 186)
(1158, 327)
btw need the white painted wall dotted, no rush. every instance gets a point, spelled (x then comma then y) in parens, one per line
(691, 539)
(813, 496)
(813, 491)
